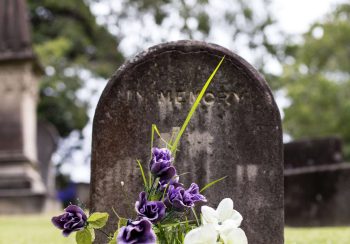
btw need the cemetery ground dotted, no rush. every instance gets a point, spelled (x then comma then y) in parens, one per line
(29, 229)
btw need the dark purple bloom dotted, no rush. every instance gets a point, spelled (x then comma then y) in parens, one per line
(154, 211)
(173, 181)
(139, 232)
(73, 219)
(179, 198)
(160, 164)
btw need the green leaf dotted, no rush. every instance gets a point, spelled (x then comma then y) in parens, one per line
(98, 220)
(92, 232)
(194, 107)
(122, 222)
(212, 183)
(114, 239)
(83, 237)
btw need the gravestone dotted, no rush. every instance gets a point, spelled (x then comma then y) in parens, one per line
(235, 132)
(309, 152)
(316, 183)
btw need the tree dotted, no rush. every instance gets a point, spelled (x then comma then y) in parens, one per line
(318, 80)
(68, 41)
(245, 27)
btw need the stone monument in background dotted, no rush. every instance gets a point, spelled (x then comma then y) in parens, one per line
(235, 132)
(22, 189)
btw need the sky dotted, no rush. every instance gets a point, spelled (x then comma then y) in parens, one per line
(293, 17)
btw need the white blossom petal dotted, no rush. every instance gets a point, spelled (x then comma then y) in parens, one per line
(202, 235)
(209, 215)
(234, 236)
(234, 221)
(225, 209)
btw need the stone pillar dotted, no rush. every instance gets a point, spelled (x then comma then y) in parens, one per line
(19, 177)
(21, 187)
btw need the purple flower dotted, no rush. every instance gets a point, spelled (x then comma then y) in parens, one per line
(173, 181)
(73, 219)
(139, 232)
(154, 211)
(179, 198)
(160, 164)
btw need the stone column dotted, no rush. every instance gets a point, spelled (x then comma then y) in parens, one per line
(21, 187)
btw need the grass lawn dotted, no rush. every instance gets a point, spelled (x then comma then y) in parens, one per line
(325, 235)
(39, 230)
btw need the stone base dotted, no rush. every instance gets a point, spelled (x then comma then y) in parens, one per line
(21, 189)
(22, 204)
(317, 195)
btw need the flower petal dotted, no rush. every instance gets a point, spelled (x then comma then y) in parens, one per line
(209, 215)
(234, 222)
(234, 236)
(225, 209)
(202, 235)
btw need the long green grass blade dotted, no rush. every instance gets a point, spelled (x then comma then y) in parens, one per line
(195, 216)
(155, 130)
(212, 183)
(194, 107)
(143, 174)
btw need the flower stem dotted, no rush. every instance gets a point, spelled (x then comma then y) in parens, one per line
(103, 232)
(151, 189)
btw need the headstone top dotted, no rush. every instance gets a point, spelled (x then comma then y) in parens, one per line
(192, 46)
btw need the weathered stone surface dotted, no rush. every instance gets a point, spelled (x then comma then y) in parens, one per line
(318, 195)
(310, 152)
(236, 131)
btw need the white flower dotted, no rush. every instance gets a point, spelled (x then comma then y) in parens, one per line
(202, 235)
(233, 235)
(223, 216)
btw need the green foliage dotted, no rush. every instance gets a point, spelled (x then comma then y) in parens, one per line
(83, 237)
(318, 80)
(67, 40)
(212, 183)
(122, 222)
(97, 220)
(199, 19)
(114, 238)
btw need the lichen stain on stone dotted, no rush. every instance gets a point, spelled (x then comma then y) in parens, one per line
(252, 171)
(200, 141)
(165, 106)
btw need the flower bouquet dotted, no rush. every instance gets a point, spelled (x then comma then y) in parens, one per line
(165, 210)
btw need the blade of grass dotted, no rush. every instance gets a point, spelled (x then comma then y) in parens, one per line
(194, 107)
(195, 216)
(115, 212)
(212, 183)
(155, 129)
(143, 174)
